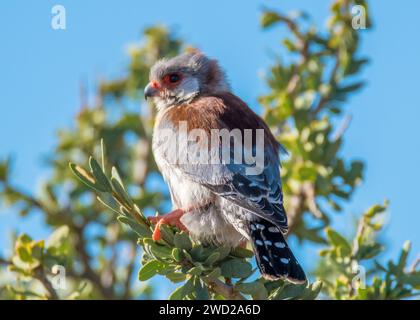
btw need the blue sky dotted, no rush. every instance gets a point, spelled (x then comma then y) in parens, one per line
(41, 70)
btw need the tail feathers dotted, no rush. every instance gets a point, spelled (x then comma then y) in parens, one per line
(274, 257)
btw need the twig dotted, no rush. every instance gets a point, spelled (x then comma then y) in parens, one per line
(40, 276)
(415, 265)
(360, 231)
(223, 289)
(343, 127)
(88, 272)
(324, 99)
(303, 50)
(303, 44)
(308, 189)
(296, 209)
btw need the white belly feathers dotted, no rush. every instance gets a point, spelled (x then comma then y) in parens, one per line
(206, 220)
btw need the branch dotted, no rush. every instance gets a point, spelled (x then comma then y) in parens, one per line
(296, 209)
(303, 43)
(223, 289)
(4, 261)
(324, 99)
(40, 276)
(88, 272)
(415, 265)
(303, 50)
(342, 129)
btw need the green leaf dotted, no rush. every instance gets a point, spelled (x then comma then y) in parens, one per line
(177, 254)
(37, 249)
(403, 257)
(223, 251)
(111, 208)
(103, 155)
(24, 254)
(177, 294)
(158, 251)
(58, 242)
(167, 234)
(149, 270)
(411, 279)
(29, 254)
(176, 277)
(116, 175)
(98, 174)
(369, 251)
(84, 176)
(142, 230)
(78, 292)
(242, 252)
(312, 291)
(288, 292)
(338, 241)
(212, 259)
(196, 271)
(256, 289)
(235, 268)
(183, 291)
(182, 241)
(198, 253)
(4, 169)
(187, 255)
(214, 274)
(201, 292)
(58, 237)
(23, 239)
(123, 196)
(376, 209)
(269, 18)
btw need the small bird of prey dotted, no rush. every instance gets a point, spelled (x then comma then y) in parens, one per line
(219, 196)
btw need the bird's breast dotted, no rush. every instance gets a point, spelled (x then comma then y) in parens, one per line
(206, 220)
(171, 153)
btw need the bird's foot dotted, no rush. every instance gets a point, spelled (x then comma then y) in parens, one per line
(243, 244)
(172, 218)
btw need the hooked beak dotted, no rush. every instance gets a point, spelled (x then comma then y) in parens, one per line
(151, 90)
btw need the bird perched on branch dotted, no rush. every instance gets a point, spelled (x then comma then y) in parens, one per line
(204, 141)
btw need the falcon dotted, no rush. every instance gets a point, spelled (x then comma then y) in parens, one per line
(217, 197)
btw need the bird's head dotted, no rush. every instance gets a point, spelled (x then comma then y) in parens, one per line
(183, 78)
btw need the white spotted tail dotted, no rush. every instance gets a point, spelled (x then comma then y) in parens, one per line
(274, 257)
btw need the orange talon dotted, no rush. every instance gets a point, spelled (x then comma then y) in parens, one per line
(243, 244)
(172, 218)
(154, 220)
(156, 236)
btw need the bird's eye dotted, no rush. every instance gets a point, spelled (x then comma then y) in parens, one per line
(172, 78)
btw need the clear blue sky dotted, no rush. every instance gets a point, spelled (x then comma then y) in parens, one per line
(41, 70)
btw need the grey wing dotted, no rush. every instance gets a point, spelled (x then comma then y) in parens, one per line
(261, 193)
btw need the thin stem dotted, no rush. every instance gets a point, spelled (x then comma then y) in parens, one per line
(332, 79)
(223, 289)
(41, 277)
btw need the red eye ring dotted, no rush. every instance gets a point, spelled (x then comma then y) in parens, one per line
(172, 78)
